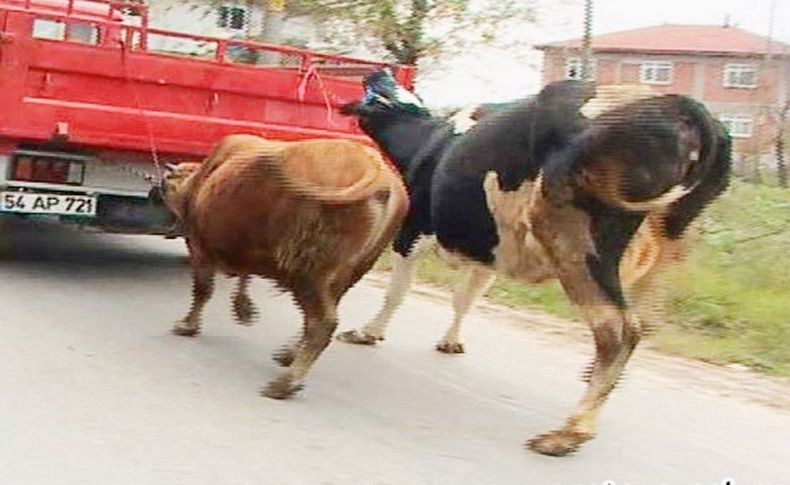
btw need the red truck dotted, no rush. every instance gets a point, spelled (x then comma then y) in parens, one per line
(89, 112)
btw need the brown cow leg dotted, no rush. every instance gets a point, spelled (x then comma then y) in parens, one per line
(243, 308)
(202, 289)
(320, 322)
(287, 353)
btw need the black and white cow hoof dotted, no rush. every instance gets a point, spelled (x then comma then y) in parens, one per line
(446, 347)
(358, 338)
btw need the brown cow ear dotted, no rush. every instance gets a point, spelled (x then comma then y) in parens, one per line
(170, 167)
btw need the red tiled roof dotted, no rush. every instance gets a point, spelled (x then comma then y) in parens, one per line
(674, 39)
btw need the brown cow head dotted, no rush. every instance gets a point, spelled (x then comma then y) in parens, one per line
(173, 187)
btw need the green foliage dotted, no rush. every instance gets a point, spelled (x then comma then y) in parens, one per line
(730, 302)
(434, 271)
(409, 30)
(548, 296)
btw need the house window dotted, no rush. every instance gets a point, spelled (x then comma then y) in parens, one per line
(573, 68)
(49, 29)
(83, 33)
(738, 126)
(656, 72)
(232, 17)
(73, 32)
(740, 76)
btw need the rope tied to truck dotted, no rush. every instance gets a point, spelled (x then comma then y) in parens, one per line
(146, 121)
(312, 72)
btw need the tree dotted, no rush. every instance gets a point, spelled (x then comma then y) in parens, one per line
(410, 30)
(407, 31)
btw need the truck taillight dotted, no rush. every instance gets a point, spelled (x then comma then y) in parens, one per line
(48, 170)
(24, 169)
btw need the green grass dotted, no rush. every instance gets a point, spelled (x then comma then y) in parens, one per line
(729, 302)
(549, 296)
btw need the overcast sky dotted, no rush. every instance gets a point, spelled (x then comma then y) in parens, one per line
(493, 75)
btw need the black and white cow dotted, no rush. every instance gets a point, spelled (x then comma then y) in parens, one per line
(539, 191)
(392, 115)
(415, 141)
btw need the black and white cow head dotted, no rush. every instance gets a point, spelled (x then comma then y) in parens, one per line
(393, 117)
(385, 99)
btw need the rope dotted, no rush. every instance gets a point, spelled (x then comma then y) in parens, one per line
(312, 71)
(146, 120)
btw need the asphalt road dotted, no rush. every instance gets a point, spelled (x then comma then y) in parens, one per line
(95, 390)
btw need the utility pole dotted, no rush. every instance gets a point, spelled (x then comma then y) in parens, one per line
(273, 24)
(587, 41)
(776, 102)
(781, 105)
(781, 163)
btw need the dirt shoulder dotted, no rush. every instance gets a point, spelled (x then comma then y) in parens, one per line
(732, 381)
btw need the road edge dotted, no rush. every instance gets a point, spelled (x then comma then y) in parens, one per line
(731, 381)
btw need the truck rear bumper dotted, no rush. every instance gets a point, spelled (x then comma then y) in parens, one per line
(115, 212)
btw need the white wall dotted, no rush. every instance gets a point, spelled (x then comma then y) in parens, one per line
(200, 19)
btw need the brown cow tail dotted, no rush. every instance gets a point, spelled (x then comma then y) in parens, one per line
(396, 204)
(374, 178)
(710, 178)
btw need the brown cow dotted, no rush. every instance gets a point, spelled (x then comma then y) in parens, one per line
(313, 216)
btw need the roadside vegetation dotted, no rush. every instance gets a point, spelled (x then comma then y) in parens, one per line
(729, 303)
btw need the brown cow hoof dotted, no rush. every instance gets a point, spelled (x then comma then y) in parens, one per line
(558, 443)
(450, 347)
(183, 330)
(244, 311)
(358, 338)
(281, 388)
(285, 356)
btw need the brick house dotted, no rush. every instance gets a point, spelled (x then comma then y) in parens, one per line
(742, 77)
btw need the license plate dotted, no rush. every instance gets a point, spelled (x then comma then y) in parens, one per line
(57, 204)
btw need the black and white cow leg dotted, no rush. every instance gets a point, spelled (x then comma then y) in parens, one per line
(403, 270)
(475, 283)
